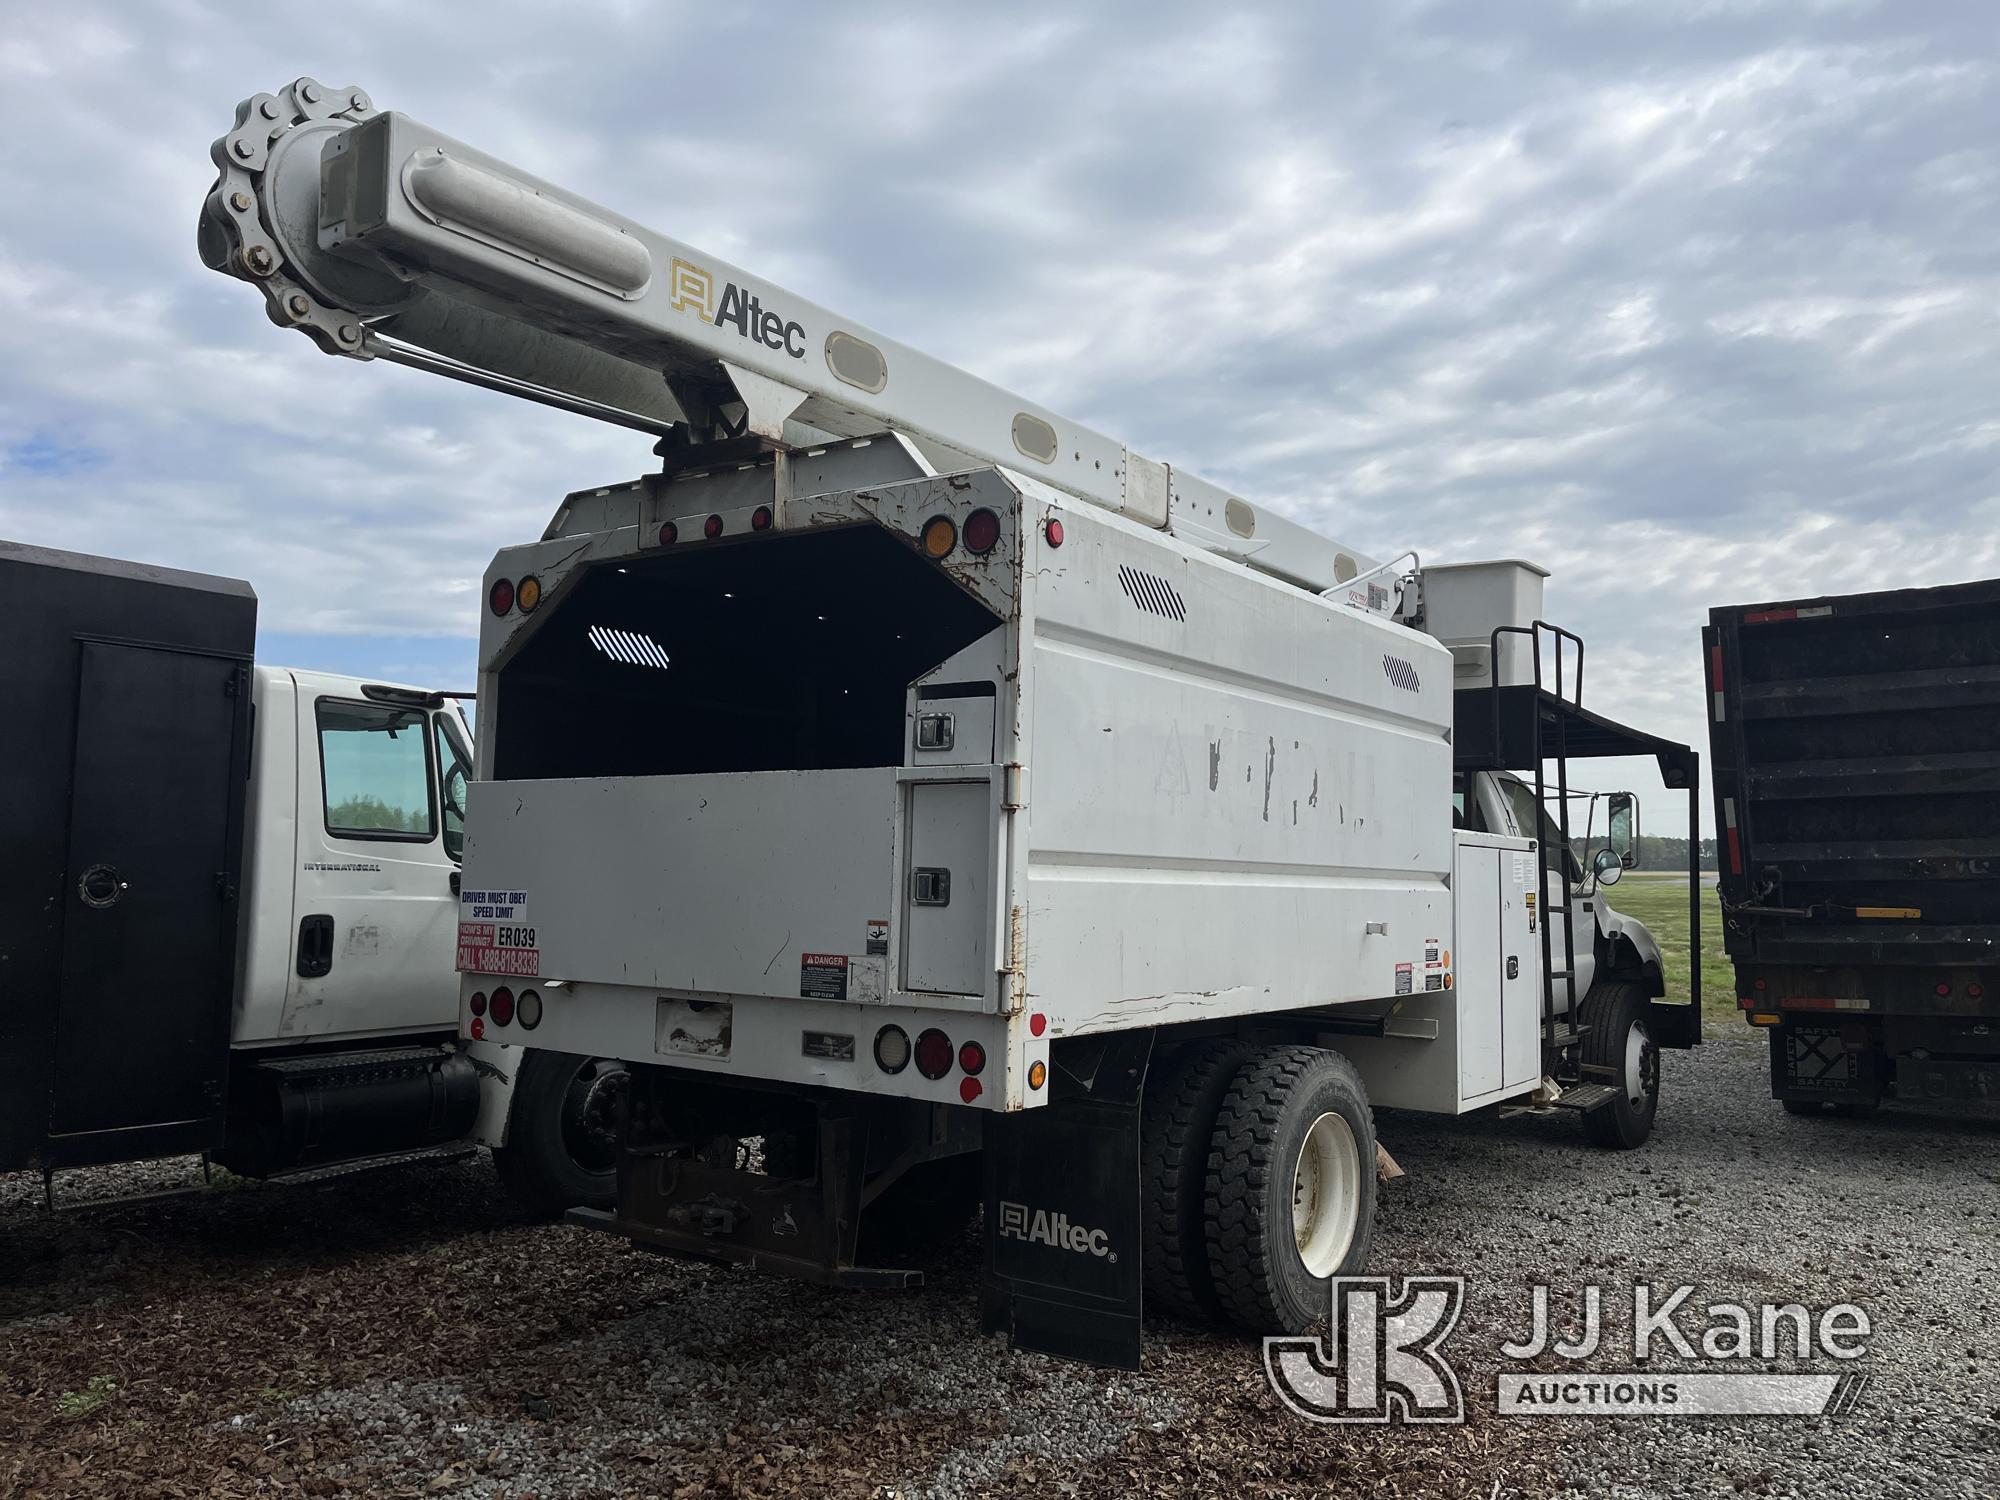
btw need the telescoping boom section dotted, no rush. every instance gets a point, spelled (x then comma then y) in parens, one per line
(934, 792)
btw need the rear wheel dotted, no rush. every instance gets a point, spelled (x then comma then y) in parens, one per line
(1291, 1187)
(562, 1132)
(1182, 1097)
(1618, 1041)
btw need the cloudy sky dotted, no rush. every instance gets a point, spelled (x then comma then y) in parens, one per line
(1690, 302)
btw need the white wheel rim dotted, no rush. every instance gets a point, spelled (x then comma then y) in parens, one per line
(1326, 1194)
(1635, 1065)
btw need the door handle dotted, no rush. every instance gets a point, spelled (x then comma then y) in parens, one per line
(101, 887)
(315, 946)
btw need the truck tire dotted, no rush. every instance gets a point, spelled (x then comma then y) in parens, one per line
(562, 1143)
(1615, 1012)
(1291, 1187)
(1177, 1120)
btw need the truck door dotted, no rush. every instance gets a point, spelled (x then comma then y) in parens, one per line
(1525, 818)
(375, 915)
(142, 1022)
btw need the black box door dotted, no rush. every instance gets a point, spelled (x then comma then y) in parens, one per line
(142, 1021)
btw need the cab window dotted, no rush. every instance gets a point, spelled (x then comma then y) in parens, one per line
(375, 771)
(1534, 822)
(454, 771)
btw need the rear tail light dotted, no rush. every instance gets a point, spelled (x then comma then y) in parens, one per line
(501, 596)
(669, 534)
(528, 593)
(982, 532)
(892, 1049)
(1944, 987)
(760, 518)
(712, 527)
(477, 1004)
(1975, 991)
(972, 1058)
(1760, 984)
(502, 1006)
(528, 1010)
(940, 536)
(933, 1054)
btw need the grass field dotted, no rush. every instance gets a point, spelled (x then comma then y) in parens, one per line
(1661, 902)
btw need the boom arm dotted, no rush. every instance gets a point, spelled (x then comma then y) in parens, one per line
(379, 237)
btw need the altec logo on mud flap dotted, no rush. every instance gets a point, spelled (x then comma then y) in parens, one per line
(693, 291)
(1037, 1226)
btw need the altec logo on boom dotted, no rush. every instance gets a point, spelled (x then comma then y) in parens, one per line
(693, 290)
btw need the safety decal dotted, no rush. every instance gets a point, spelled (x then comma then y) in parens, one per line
(495, 935)
(823, 976)
(1404, 978)
(878, 935)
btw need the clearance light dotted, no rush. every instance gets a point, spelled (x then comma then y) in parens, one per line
(968, 1089)
(982, 532)
(1760, 984)
(1037, 1024)
(528, 593)
(760, 518)
(501, 1006)
(1038, 1074)
(892, 1049)
(528, 1010)
(940, 536)
(1974, 991)
(669, 534)
(972, 1058)
(478, 1028)
(501, 596)
(477, 1004)
(1054, 532)
(1765, 1018)
(933, 1054)
(712, 527)
(1943, 987)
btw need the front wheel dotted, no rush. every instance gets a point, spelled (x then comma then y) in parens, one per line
(1623, 1053)
(1291, 1187)
(562, 1135)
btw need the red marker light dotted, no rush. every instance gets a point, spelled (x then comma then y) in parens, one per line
(712, 527)
(982, 532)
(669, 534)
(1037, 1024)
(477, 1004)
(1054, 532)
(972, 1058)
(502, 1006)
(478, 1029)
(760, 518)
(933, 1054)
(502, 596)
(968, 1089)
(1943, 988)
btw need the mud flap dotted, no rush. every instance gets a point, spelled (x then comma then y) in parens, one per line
(1063, 1259)
(1675, 1024)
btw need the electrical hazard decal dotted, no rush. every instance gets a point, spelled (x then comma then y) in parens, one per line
(823, 976)
(495, 935)
(1404, 974)
(878, 935)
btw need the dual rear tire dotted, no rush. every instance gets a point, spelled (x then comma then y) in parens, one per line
(1259, 1177)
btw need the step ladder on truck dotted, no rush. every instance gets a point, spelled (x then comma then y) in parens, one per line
(937, 793)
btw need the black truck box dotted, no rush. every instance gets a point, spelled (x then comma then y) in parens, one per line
(1856, 758)
(123, 776)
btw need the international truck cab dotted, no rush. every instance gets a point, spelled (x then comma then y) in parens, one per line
(934, 802)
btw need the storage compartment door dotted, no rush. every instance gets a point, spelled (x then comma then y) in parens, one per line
(948, 887)
(142, 1025)
(1479, 966)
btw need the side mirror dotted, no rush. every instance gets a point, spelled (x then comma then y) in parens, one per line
(1622, 838)
(1607, 867)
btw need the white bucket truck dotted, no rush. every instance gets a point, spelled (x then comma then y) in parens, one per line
(906, 778)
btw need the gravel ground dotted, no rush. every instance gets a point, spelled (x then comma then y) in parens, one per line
(410, 1334)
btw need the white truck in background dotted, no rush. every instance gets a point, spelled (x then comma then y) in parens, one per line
(906, 777)
(231, 905)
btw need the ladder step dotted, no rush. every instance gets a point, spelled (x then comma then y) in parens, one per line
(1586, 1096)
(450, 1151)
(1568, 1036)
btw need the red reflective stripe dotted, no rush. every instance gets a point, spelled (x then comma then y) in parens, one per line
(1765, 616)
(1735, 853)
(1715, 667)
(1807, 1002)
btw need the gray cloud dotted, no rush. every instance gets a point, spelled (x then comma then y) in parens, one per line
(1692, 303)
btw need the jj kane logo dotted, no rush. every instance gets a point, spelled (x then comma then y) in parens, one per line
(694, 291)
(1037, 1226)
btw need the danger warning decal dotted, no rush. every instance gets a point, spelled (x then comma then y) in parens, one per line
(495, 935)
(823, 976)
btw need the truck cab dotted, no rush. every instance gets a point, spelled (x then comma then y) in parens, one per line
(357, 830)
